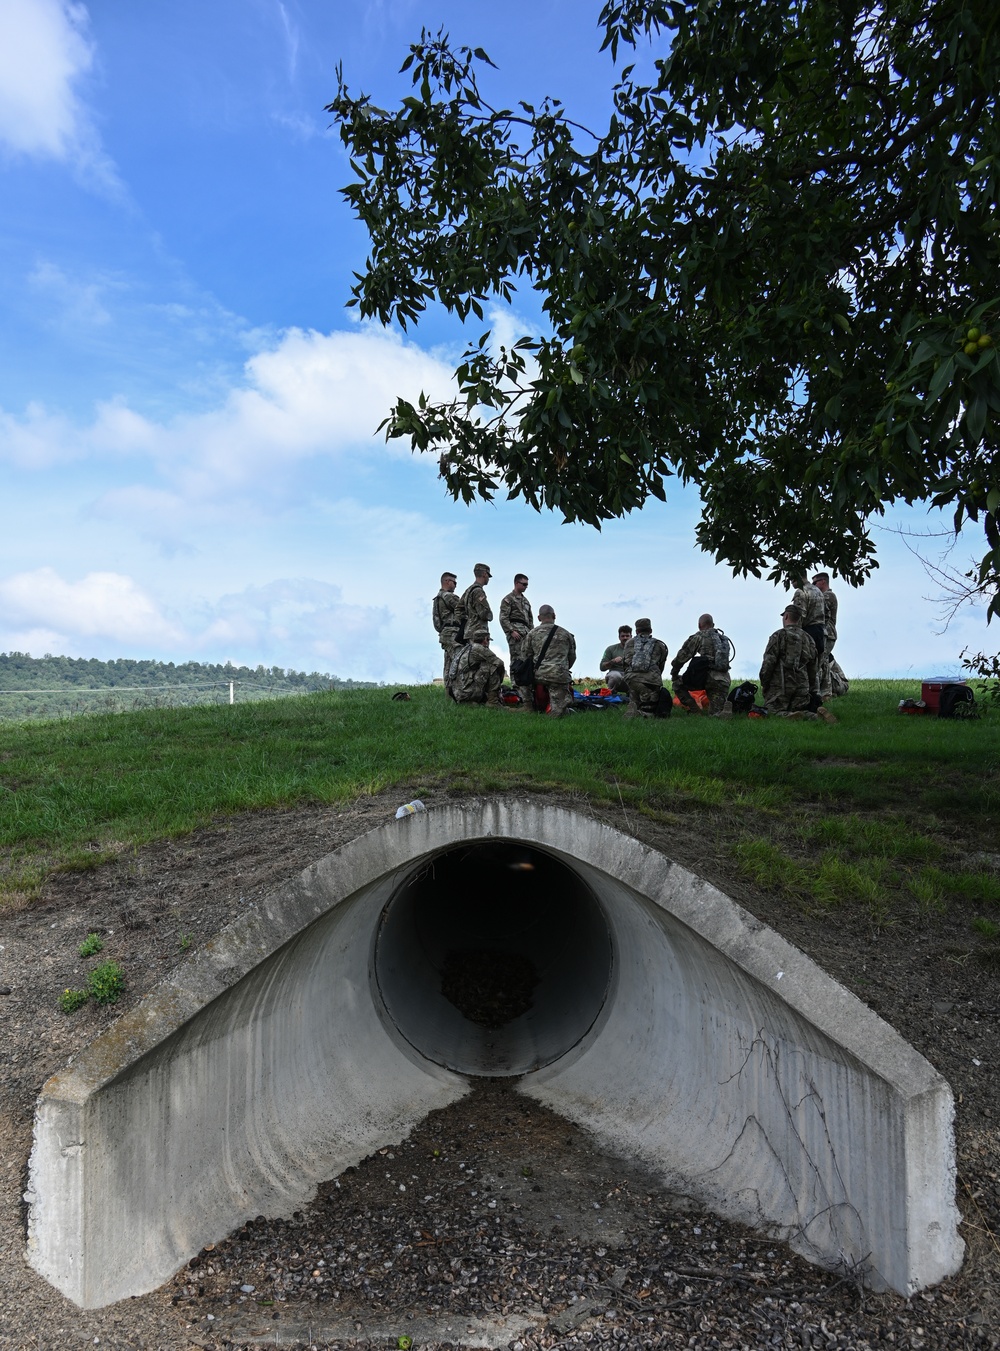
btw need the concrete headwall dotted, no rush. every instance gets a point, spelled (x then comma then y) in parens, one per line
(280, 1054)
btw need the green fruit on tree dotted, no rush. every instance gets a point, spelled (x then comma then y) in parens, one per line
(973, 335)
(971, 348)
(985, 341)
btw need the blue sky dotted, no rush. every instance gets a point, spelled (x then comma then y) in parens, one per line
(187, 410)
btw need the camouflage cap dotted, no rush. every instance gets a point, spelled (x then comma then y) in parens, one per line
(644, 626)
(480, 635)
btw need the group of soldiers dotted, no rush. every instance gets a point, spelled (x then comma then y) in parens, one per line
(797, 673)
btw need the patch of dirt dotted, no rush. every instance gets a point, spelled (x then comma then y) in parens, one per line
(594, 1228)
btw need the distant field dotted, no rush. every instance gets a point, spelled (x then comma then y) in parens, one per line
(877, 811)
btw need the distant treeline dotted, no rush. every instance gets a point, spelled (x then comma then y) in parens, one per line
(33, 687)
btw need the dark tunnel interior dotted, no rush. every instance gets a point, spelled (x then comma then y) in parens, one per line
(493, 959)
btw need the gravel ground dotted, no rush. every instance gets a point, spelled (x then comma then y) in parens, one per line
(496, 1223)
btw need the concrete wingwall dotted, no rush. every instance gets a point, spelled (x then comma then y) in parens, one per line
(288, 1049)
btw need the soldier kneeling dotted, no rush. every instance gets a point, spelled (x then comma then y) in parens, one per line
(644, 658)
(478, 673)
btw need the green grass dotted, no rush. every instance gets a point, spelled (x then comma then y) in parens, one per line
(870, 804)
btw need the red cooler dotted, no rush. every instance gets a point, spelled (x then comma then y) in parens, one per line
(930, 690)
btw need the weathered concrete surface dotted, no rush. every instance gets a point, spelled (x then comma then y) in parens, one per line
(720, 1055)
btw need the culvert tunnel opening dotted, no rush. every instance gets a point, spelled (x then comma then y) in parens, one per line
(493, 959)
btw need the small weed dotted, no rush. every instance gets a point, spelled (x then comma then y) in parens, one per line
(987, 927)
(929, 894)
(838, 882)
(106, 983)
(185, 941)
(71, 1000)
(90, 945)
(766, 866)
(978, 888)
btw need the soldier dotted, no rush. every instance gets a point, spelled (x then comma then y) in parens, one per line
(643, 659)
(788, 670)
(474, 609)
(553, 651)
(611, 662)
(707, 655)
(445, 617)
(517, 622)
(809, 600)
(479, 672)
(822, 583)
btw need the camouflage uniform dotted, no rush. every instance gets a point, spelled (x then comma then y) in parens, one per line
(446, 622)
(478, 676)
(643, 685)
(788, 671)
(474, 609)
(826, 660)
(809, 599)
(516, 616)
(555, 671)
(713, 646)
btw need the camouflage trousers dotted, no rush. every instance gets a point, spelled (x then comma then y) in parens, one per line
(447, 641)
(560, 697)
(484, 689)
(823, 673)
(790, 695)
(643, 692)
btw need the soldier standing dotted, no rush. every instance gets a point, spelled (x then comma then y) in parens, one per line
(474, 609)
(479, 672)
(808, 599)
(517, 621)
(553, 651)
(643, 659)
(788, 670)
(445, 615)
(707, 655)
(830, 606)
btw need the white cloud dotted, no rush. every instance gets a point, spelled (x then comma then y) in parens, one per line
(313, 394)
(300, 622)
(101, 605)
(44, 54)
(303, 623)
(40, 439)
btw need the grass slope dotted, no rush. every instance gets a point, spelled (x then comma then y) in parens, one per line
(882, 811)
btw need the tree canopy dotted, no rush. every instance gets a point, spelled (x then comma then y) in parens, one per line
(773, 274)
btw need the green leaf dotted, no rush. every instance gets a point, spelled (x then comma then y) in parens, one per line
(975, 417)
(943, 376)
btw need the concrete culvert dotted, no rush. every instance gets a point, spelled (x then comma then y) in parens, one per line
(489, 938)
(493, 959)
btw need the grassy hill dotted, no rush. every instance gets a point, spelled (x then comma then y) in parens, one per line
(887, 816)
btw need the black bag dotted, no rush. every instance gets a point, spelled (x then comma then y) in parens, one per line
(696, 675)
(742, 698)
(664, 704)
(956, 701)
(522, 671)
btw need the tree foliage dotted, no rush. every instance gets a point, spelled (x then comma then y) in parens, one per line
(774, 274)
